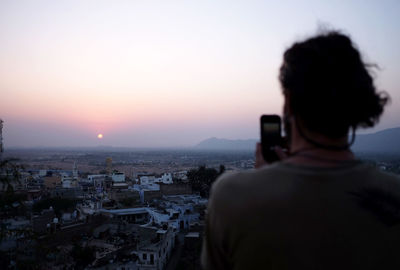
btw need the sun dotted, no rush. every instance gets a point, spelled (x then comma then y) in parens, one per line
(100, 136)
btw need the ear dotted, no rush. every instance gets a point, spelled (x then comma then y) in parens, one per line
(287, 108)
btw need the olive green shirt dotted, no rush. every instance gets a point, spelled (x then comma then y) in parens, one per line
(287, 216)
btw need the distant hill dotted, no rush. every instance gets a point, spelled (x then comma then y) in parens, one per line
(225, 144)
(385, 141)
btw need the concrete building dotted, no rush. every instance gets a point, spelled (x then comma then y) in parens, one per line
(118, 177)
(121, 195)
(155, 253)
(175, 189)
(181, 175)
(178, 217)
(52, 181)
(130, 215)
(99, 181)
(146, 180)
(68, 181)
(166, 178)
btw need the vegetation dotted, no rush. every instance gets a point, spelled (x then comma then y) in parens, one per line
(190, 256)
(82, 256)
(202, 178)
(11, 203)
(59, 205)
(9, 173)
(128, 202)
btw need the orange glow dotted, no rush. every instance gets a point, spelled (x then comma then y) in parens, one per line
(100, 136)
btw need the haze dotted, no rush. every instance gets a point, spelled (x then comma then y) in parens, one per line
(166, 73)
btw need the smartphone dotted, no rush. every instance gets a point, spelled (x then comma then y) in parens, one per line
(270, 136)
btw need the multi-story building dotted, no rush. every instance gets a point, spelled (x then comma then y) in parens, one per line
(155, 253)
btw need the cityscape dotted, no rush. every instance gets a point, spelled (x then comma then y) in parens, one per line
(117, 117)
(96, 208)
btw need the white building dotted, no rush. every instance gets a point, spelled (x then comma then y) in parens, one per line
(176, 217)
(132, 215)
(182, 175)
(147, 180)
(68, 181)
(118, 177)
(166, 178)
(145, 188)
(98, 181)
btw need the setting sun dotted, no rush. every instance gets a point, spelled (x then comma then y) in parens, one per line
(100, 136)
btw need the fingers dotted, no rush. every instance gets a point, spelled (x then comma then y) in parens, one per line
(280, 153)
(260, 161)
(259, 157)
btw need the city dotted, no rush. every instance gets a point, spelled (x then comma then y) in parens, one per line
(92, 209)
(188, 135)
(71, 209)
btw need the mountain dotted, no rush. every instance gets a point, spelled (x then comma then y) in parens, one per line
(385, 141)
(225, 144)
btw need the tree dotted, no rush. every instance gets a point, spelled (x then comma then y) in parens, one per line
(59, 205)
(202, 178)
(9, 173)
(82, 256)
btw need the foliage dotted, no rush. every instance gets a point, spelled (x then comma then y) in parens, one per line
(82, 256)
(28, 265)
(190, 256)
(7, 201)
(9, 172)
(4, 260)
(202, 178)
(59, 205)
(128, 202)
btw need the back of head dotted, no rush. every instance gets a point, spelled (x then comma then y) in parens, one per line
(329, 87)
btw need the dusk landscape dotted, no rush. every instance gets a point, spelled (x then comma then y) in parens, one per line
(116, 117)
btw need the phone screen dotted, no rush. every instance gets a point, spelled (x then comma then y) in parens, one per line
(270, 136)
(272, 133)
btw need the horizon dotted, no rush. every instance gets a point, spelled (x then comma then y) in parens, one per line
(167, 75)
(194, 147)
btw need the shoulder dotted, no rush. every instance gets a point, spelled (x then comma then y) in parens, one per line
(387, 182)
(267, 175)
(232, 189)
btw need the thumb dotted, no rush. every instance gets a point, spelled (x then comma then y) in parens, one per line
(280, 153)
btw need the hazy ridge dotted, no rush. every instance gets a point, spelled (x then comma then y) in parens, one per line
(387, 141)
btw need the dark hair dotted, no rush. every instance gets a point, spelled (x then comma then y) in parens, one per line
(329, 86)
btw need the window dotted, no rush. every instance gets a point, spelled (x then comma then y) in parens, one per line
(144, 256)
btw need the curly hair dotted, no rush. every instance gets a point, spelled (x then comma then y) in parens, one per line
(329, 87)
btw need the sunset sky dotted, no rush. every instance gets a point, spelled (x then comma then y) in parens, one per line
(167, 73)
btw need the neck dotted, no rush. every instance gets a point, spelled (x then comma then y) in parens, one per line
(304, 152)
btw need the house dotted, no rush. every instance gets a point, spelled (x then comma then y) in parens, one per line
(153, 254)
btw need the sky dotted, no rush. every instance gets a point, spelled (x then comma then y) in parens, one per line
(167, 73)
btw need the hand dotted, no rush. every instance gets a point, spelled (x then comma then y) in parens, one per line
(260, 162)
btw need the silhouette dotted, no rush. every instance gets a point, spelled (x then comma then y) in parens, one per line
(317, 207)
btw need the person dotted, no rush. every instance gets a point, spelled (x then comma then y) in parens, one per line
(318, 207)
